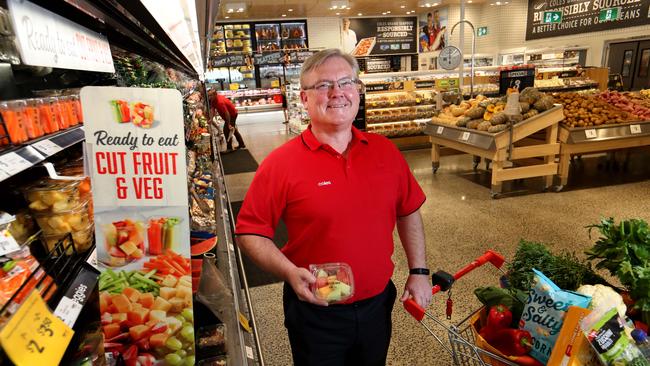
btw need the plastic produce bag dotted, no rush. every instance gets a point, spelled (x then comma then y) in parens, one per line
(607, 336)
(213, 291)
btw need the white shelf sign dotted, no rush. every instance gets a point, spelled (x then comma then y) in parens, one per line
(47, 39)
(12, 163)
(439, 130)
(68, 310)
(47, 147)
(7, 243)
(591, 134)
(635, 129)
(465, 136)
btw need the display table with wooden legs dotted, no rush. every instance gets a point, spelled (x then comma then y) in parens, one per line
(513, 152)
(587, 140)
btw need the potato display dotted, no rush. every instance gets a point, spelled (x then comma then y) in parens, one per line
(583, 110)
(487, 114)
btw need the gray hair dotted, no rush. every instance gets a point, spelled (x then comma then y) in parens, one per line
(319, 58)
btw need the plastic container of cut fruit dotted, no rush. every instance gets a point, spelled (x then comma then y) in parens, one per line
(82, 240)
(69, 221)
(49, 196)
(334, 282)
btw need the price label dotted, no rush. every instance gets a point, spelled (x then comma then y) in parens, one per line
(590, 134)
(12, 163)
(243, 321)
(439, 130)
(34, 336)
(249, 352)
(68, 310)
(634, 129)
(7, 243)
(92, 259)
(465, 136)
(47, 147)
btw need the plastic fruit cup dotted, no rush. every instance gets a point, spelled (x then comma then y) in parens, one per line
(53, 196)
(81, 239)
(334, 282)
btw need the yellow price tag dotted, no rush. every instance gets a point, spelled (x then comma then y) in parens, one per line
(244, 323)
(34, 336)
(275, 83)
(234, 86)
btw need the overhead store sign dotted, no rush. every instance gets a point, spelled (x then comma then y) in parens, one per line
(378, 64)
(272, 58)
(583, 16)
(47, 39)
(228, 60)
(384, 36)
(299, 56)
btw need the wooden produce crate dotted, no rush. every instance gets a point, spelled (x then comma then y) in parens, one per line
(530, 157)
(585, 140)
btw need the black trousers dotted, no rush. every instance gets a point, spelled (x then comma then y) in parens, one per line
(227, 131)
(352, 334)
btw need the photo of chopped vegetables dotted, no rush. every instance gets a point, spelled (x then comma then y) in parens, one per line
(146, 314)
(141, 114)
(145, 285)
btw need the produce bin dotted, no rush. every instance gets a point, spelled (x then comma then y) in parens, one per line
(584, 140)
(513, 153)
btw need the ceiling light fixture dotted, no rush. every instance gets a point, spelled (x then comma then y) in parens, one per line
(424, 4)
(235, 7)
(284, 15)
(359, 14)
(290, 10)
(402, 6)
(339, 4)
(227, 17)
(338, 13)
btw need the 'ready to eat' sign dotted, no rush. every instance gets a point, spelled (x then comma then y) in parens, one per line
(583, 16)
(135, 151)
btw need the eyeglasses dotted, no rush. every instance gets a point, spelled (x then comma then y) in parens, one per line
(345, 84)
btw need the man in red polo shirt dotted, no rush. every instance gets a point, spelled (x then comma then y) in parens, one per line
(340, 192)
(228, 113)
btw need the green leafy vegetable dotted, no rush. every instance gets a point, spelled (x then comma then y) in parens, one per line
(624, 250)
(564, 269)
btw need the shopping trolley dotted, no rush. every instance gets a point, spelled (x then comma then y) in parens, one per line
(462, 339)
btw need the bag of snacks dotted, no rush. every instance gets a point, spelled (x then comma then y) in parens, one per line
(544, 313)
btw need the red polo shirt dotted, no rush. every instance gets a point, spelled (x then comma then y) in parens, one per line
(335, 209)
(223, 104)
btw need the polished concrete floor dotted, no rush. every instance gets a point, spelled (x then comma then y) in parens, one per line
(461, 222)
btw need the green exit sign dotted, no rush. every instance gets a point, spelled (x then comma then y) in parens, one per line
(482, 31)
(609, 14)
(552, 17)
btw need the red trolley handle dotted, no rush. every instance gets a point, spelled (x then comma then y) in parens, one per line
(491, 256)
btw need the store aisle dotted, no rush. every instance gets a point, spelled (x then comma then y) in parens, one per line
(461, 222)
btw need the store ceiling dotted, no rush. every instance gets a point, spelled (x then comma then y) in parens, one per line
(274, 9)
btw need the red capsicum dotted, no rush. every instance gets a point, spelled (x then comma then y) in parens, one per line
(513, 342)
(499, 317)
